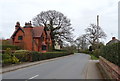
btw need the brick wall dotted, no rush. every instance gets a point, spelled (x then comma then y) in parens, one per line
(112, 70)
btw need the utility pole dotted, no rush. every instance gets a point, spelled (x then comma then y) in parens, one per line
(97, 20)
(97, 28)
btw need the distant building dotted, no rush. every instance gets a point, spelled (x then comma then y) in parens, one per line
(114, 40)
(58, 44)
(31, 38)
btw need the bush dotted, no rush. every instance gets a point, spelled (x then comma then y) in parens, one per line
(96, 53)
(35, 56)
(22, 55)
(12, 47)
(85, 51)
(111, 53)
(9, 58)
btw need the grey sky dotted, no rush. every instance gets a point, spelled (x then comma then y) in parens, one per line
(80, 12)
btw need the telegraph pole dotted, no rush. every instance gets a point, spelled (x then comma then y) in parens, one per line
(97, 20)
(97, 28)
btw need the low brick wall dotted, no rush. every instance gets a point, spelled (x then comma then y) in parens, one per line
(112, 70)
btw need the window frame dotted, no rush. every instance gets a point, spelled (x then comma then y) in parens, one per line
(20, 37)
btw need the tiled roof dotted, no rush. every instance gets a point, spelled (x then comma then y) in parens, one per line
(37, 31)
(113, 41)
(20, 28)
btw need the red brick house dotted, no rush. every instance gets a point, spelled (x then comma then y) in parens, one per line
(31, 38)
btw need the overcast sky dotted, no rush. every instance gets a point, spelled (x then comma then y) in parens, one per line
(80, 12)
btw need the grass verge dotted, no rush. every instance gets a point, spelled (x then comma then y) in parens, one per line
(94, 58)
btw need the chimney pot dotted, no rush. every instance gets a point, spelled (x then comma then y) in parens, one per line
(17, 25)
(113, 38)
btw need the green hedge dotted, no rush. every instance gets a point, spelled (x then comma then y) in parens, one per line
(12, 47)
(111, 53)
(22, 55)
(26, 56)
(85, 51)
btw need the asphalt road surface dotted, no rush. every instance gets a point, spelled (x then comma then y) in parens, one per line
(70, 67)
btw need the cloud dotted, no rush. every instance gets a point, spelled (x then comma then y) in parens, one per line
(81, 13)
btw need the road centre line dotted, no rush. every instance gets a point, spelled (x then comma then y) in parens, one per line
(33, 76)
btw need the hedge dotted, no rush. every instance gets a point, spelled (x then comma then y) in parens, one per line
(27, 56)
(22, 55)
(111, 53)
(12, 47)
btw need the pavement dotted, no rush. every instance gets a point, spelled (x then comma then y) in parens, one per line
(78, 66)
(93, 71)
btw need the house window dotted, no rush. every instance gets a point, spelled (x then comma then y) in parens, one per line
(43, 47)
(20, 37)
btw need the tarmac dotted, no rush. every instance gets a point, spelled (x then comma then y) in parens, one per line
(92, 72)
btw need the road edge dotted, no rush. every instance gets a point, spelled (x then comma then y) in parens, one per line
(34, 63)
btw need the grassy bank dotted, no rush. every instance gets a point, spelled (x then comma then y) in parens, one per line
(93, 57)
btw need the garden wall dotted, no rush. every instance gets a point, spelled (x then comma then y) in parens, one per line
(112, 70)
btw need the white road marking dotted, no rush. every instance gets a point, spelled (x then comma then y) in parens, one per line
(33, 76)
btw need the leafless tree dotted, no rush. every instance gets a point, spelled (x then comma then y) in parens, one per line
(94, 34)
(81, 42)
(57, 23)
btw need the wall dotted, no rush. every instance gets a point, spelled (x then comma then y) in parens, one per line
(19, 42)
(112, 70)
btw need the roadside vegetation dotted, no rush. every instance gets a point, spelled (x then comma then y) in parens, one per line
(110, 52)
(93, 57)
(20, 56)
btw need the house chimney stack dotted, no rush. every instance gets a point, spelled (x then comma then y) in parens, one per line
(17, 25)
(113, 38)
(28, 25)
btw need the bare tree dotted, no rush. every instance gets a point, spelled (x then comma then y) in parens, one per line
(81, 42)
(94, 33)
(57, 23)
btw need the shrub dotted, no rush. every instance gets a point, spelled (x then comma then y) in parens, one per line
(22, 55)
(96, 53)
(6, 58)
(85, 51)
(9, 58)
(12, 47)
(8, 51)
(6, 61)
(14, 60)
(111, 53)
(35, 56)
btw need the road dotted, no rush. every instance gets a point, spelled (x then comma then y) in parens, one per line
(70, 67)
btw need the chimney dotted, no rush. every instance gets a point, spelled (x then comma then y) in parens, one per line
(113, 38)
(17, 25)
(28, 25)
